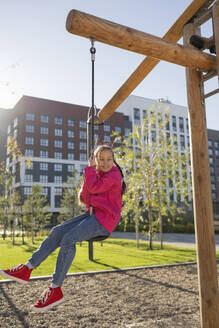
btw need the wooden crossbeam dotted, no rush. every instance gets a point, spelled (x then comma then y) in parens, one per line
(124, 37)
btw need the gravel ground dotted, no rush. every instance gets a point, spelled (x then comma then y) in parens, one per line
(150, 298)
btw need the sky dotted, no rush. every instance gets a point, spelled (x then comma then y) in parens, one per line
(39, 58)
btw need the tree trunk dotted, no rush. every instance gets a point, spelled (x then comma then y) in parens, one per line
(32, 229)
(161, 230)
(137, 230)
(22, 229)
(150, 216)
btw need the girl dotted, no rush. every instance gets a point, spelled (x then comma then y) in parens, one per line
(102, 193)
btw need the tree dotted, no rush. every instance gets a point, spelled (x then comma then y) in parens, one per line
(155, 173)
(69, 204)
(35, 210)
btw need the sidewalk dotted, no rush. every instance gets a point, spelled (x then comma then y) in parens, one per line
(177, 239)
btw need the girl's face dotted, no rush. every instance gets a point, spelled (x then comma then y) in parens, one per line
(104, 160)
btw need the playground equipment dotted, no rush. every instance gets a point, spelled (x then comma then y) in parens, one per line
(200, 67)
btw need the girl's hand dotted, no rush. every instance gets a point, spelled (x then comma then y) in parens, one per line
(91, 162)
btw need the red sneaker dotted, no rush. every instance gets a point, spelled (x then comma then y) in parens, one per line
(20, 273)
(51, 297)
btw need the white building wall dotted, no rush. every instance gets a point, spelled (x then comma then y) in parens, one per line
(127, 108)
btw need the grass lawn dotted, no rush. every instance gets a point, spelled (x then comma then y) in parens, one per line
(115, 253)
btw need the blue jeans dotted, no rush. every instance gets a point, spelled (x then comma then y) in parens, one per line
(65, 236)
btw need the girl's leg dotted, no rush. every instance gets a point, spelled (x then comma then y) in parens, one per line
(53, 240)
(87, 228)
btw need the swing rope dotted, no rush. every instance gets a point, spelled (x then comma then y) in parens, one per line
(90, 123)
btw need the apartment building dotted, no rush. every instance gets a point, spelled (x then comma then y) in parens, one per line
(135, 108)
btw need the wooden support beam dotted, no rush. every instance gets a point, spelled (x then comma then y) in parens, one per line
(202, 200)
(124, 37)
(216, 31)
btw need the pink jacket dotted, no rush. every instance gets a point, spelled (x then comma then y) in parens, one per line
(103, 191)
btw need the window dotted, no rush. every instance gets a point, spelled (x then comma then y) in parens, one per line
(58, 132)
(187, 125)
(210, 151)
(44, 130)
(167, 120)
(106, 138)
(96, 127)
(58, 143)
(45, 191)
(210, 143)
(30, 116)
(182, 141)
(44, 153)
(44, 142)
(30, 128)
(58, 167)
(83, 135)
(83, 146)
(9, 129)
(136, 113)
(27, 190)
(58, 120)
(107, 128)
(44, 166)
(57, 179)
(58, 191)
(71, 167)
(181, 124)
(71, 122)
(29, 140)
(83, 124)
(44, 178)
(70, 145)
(58, 155)
(174, 123)
(144, 113)
(44, 118)
(83, 157)
(188, 141)
(127, 132)
(118, 129)
(216, 152)
(28, 178)
(216, 144)
(71, 156)
(71, 134)
(29, 152)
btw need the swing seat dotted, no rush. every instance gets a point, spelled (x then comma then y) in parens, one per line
(98, 238)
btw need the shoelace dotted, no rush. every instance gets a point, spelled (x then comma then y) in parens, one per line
(16, 267)
(45, 295)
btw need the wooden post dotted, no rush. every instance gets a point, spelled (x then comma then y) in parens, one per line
(143, 43)
(216, 31)
(146, 66)
(202, 199)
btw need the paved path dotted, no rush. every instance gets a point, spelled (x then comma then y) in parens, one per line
(178, 239)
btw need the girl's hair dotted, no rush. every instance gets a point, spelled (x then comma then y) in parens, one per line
(101, 148)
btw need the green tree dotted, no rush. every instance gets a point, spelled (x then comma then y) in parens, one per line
(70, 206)
(155, 173)
(36, 211)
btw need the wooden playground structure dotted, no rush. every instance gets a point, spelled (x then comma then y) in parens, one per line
(200, 67)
